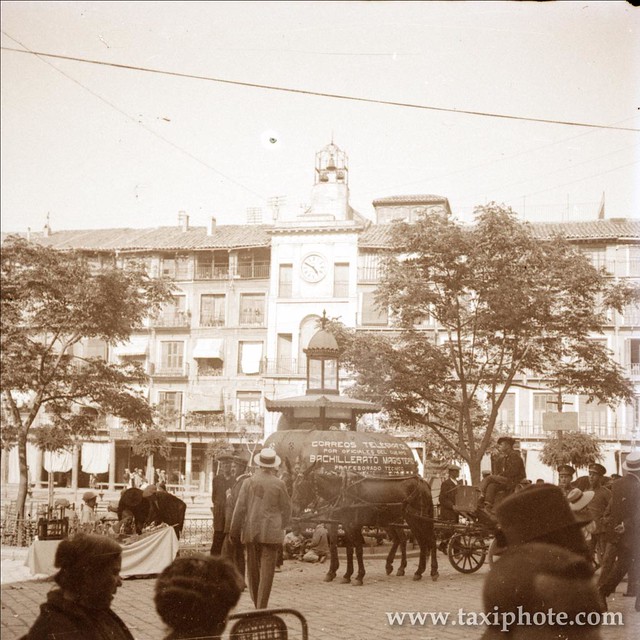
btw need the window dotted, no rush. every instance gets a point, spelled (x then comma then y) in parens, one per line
(174, 313)
(631, 314)
(175, 268)
(285, 280)
(634, 261)
(170, 409)
(507, 411)
(634, 356)
(254, 263)
(341, 280)
(248, 406)
(371, 313)
(94, 348)
(543, 403)
(591, 415)
(212, 310)
(249, 357)
(285, 362)
(172, 353)
(212, 266)
(369, 267)
(252, 309)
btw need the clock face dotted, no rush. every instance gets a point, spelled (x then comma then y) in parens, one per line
(313, 268)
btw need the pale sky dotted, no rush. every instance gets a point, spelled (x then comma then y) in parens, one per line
(97, 146)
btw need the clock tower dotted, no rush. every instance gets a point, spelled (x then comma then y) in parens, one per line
(330, 193)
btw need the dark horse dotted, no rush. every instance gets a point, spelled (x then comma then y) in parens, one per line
(153, 509)
(356, 501)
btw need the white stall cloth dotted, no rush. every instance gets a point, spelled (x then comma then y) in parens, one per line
(95, 457)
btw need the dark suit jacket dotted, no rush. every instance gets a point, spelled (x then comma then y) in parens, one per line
(447, 500)
(511, 467)
(624, 508)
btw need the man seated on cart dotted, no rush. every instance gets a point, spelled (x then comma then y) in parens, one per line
(509, 471)
(447, 500)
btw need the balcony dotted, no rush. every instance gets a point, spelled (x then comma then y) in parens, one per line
(166, 371)
(600, 430)
(256, 270)
(209, 371)
(283, 367)
(173, 320)
(212, 272)
(212, 320)
(634, 369)
(369, 274)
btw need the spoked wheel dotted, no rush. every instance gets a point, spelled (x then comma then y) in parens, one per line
(466, 552)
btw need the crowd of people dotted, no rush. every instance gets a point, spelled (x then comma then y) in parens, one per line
(552, 539)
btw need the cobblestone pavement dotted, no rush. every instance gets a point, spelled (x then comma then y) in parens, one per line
(332, 610)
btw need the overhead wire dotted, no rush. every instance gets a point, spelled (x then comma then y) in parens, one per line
(336, 96)
(139, 123)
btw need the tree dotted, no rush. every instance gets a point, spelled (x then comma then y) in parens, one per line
(510, 306)
(572, 447)
(51, 301)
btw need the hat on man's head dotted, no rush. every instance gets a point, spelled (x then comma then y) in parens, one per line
(529, 515)
(537, 576)
(62, 503)
(225, 456)
(453, 467)
(632, 462)
(89, 495)
(597, 468)
(267, 459)
(566, 468)
(507, 439)
(578, 499)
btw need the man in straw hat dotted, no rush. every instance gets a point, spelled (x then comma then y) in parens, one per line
(622, 553)
(260, 517)
(508, 473)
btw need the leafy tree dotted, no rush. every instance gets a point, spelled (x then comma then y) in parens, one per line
(51, 301)
(510, 306)
(571, 447)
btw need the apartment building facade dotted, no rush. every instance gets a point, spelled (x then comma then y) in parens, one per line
(248, 299)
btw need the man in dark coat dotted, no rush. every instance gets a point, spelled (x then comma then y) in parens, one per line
(447, 501)
(622, 517)
(597, 507)
(509, 471)
(222, 482)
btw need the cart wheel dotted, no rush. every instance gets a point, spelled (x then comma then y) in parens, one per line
(466, 552)
(495, 551)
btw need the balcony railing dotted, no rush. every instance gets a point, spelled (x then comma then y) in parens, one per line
(211, 321)
(369, 274)
(252, 317)
(210, 371)
(602, 431)
(173, 319)
(634, 369)
(212, 272)
(166, 371)
(255, 270)
(283, 367)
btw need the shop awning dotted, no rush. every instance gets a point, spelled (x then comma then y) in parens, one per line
(137, 346)
(209, 348)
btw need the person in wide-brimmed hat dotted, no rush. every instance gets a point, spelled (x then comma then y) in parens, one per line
(528, 581)
(260, 517)
(541, 513)
(505, 477)
(622, 519)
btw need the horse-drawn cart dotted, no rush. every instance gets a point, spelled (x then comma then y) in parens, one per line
(469, 541)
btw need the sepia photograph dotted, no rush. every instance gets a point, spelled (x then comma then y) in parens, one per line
(320, 319)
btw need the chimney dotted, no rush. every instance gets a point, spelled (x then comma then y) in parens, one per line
(212, 225)
(47, 227)
(183, 220)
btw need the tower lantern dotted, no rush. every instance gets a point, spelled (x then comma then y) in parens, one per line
(322, 362)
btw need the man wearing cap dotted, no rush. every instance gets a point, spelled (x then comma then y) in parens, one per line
(622, 519)
(597, 507)
(260, 517)
(565, 476)
(222, 482)
(88, 515)
(509, 471)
